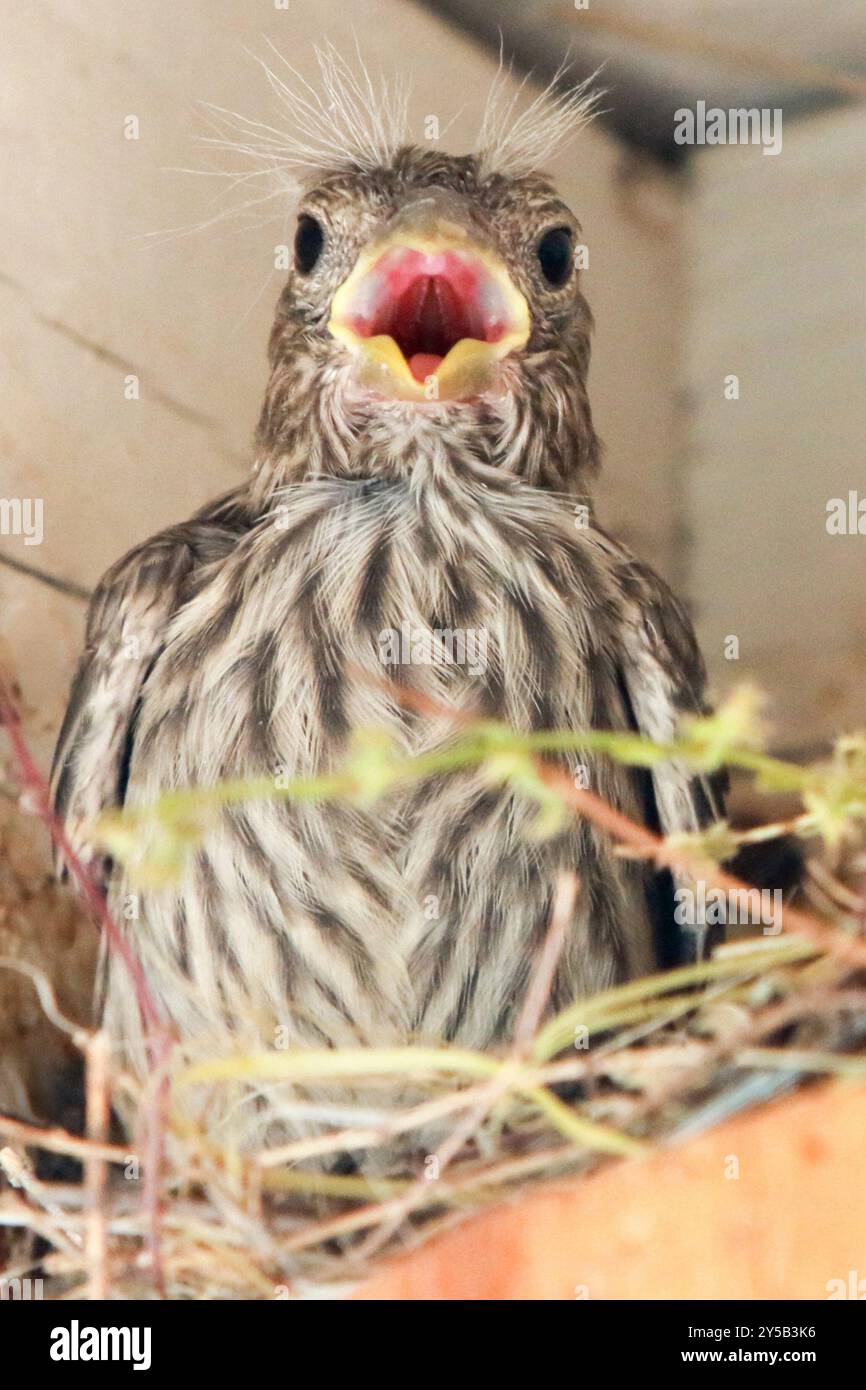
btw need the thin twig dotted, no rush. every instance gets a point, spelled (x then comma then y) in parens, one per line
(57, 1141)
(538, 994)
(669, 854)
(97, 1110)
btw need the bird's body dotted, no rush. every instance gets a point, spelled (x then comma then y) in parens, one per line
(255, 639)
(420, 915)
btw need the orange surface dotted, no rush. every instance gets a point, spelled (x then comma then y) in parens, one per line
(675, 1225)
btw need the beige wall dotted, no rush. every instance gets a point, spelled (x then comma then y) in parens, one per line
(776, 257)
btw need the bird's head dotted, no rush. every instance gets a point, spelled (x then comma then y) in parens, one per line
(428, 282)
(435, 294)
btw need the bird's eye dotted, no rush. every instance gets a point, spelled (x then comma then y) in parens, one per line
(554, 255)
(309, 241)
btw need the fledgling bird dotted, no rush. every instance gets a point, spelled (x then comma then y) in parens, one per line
(423, 464)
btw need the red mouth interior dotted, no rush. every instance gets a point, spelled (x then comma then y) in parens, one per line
(427, 303)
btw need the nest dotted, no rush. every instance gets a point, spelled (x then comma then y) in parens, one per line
(376, 1149)
(637, 1067)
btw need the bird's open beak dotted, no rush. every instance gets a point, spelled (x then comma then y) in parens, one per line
(428, 312)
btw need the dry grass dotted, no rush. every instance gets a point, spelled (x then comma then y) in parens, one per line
(175, 1212)
(668, 1054)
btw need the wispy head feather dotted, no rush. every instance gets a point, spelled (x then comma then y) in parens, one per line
(349, 119)
(514, 141)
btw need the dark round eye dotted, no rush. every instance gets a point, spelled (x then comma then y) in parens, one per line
(309, 241)
(554, 255)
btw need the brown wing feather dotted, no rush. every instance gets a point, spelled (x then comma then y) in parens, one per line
(663, 678)
(126, 626)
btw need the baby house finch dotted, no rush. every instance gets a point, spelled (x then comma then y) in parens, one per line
(417, 518)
